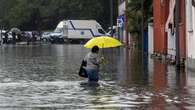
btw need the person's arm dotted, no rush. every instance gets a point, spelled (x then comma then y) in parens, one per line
(97, 60)
(85, 58)
(84, 61)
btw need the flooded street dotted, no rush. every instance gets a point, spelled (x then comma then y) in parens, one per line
(44, 77)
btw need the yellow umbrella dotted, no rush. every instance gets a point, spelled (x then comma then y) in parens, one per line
(103, 42)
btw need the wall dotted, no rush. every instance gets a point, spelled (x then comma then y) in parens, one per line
(121, 7)
(171, 44)
(150, 38)
(160, 14)
(190, 30)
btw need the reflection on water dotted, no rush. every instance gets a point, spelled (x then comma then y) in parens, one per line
(44, 77)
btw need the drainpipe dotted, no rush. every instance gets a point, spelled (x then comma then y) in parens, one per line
(177, 34)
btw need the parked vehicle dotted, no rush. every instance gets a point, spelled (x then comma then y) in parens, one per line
(113, 30)
(32, 36)
(2, 35)
(9, 39)
(46, 36)
(71, 30)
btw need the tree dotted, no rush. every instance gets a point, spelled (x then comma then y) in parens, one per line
(135, 14)
(45, 14)
(5, 7)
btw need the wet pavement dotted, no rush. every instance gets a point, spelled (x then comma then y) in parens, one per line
(44, 77)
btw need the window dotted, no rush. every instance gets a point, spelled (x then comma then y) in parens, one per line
(58, 30)
(101, 31)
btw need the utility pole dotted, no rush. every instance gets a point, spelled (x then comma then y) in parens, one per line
(111, 16)
(126, 24)
(0, 35)
(177, 34)
(0, 32)
(142, 25)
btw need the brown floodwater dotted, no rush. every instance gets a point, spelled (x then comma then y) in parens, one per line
(44, 77)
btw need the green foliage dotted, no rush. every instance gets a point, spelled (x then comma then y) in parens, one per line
(135, 14)
(5, 6)
(45, 14)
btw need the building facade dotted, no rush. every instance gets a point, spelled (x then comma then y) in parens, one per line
(190, 33)
(190, 28)
(164, 28)
(160, 15)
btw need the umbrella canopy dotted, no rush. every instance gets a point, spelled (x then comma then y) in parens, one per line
(16, 30)
(103, 42)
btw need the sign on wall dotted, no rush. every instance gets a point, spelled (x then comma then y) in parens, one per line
(120, 21)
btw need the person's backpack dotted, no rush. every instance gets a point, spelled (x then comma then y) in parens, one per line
(82, 71)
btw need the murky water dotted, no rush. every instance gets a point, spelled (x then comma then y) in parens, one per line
(44, 77)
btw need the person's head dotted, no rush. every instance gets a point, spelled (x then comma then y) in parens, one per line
(95, 49)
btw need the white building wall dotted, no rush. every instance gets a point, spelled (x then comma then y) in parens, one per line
(190, 31)
(171, 44)
(193, 23)
(150, 38)
(121, 8)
